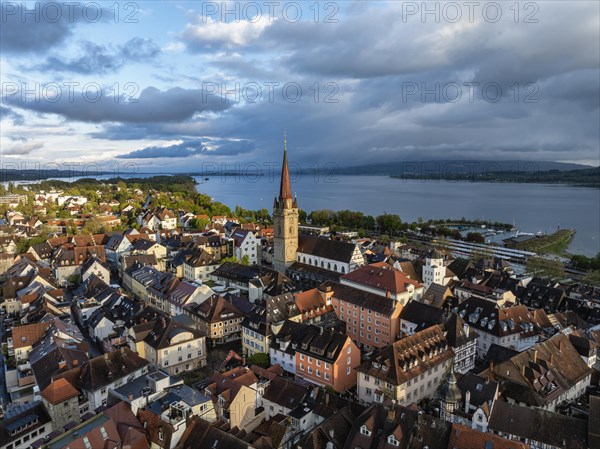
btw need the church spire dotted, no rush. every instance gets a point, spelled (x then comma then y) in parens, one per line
(285, 189)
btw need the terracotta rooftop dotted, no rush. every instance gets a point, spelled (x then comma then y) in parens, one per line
(59, 391)
(381, 276)
(29, 334)
(463, 437)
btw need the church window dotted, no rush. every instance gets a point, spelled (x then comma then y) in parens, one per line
(343, 270)
(329, 265)
(335, 267)
(303, 259)
(322, 264)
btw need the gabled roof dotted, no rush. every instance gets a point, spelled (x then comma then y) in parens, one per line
(381, 276)
(215, 309)
(91, 262)
(29, 334)
(409, 357)
(326, 248)
(464, 437)
(105, 369)
(165, 329)
(541, 374)
(535, 424)
(200, 434)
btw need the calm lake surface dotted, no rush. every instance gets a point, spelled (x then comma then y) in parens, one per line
(532, 207)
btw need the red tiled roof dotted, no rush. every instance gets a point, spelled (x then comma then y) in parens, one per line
(59, 391)
(381, 276)
(29, 334)
(463, 437)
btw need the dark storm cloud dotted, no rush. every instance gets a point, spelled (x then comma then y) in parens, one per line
(101, 59)
(192, 148)
(151, 106)
(44, 25)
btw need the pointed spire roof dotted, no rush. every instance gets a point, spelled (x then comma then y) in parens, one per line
(285, 189)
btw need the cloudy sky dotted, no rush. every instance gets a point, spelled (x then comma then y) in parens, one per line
(173, 85)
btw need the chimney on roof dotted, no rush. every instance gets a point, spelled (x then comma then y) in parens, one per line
(331, 433)
(560, 345)
(391, 414)
(105, 356)
(534, 355)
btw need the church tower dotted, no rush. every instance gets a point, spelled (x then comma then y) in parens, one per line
(285, 220)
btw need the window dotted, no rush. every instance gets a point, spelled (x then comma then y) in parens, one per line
(366, 377)
(348, 370)
(349, 360)
(318, 373)
(302, 367)
(326, 376)
(349, 350)
(393, 441)
(161, 435)
(310, 370)
(103, 390)
(365, 431)
(368, 392)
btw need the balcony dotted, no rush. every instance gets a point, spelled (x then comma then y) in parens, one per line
(25, 377)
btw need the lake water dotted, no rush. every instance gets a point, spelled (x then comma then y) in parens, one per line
(532, 207)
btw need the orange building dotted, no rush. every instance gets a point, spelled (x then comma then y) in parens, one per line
(326, 357)
(372, 321)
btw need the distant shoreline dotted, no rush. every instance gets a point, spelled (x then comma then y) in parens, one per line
(590, 178)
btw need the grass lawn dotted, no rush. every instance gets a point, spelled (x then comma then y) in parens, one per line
(555, 243)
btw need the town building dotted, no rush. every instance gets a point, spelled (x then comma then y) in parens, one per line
(327, 357)
(384, 280)
(372, 321)
(543, 376)
(246, 245)
(216, 318)
(538, 428)
(22, 424)
(409, 370)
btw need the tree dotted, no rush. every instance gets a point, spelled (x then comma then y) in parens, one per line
(592, 278)
(389, 222)
(245, 260)
(260, 358)
(302, 216)
(475, 237)
(542, 266)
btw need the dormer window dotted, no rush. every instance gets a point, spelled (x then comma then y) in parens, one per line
(393, 441)
(365, 431)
